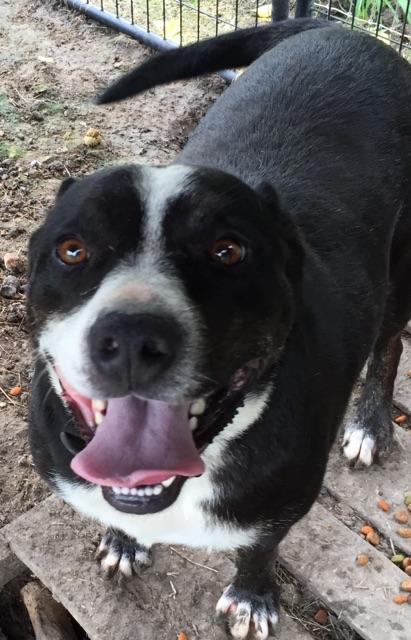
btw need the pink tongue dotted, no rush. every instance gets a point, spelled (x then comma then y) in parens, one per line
(139, 442)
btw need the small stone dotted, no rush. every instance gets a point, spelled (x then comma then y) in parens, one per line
(9, 287)
(14, 262)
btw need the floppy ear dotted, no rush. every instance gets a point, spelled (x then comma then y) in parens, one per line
(66, 184)
(287, 229)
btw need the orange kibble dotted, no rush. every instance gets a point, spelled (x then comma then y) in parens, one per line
(400, 419)
(15, 391)
(366, 529)
(408, 571)
(182, 636)
(362, 559)
(373, 538)
(321, 617)
(406, 562)
(383, 505)
(406, 586)
(401, 598)
(401, 516)
(409, 373)
(404, 532)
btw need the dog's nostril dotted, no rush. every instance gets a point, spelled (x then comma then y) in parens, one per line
(109, 347)
(152, 350)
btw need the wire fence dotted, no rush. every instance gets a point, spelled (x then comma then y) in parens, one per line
(168, 23)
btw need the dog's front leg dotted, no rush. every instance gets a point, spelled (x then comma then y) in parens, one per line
(250, 604)
(119, 554)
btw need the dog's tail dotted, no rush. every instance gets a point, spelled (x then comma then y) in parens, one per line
(236, 49)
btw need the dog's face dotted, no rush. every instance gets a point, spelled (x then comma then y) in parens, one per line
(157, 297)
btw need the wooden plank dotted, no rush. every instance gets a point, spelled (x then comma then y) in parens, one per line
(363, 487)
(58, 546)
(49, 619)
(10, 566)
(320, 551)
(402, 388)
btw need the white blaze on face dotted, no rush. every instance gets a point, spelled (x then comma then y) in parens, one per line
(143, 278)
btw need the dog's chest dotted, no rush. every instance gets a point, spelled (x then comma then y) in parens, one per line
(187, 521)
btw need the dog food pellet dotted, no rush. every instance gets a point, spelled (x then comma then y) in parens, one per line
(401, 516)
(406, 586)
(408, 571)
(92, 138)
(406, 562)
(398, 558)
(383, 505)
(15, 391)
(409, 373)
(366, 529)
(373, 538)
(362, 559)
(401, 598)
(404, 532)
(182, 636)
(321, 617)
(400, 419)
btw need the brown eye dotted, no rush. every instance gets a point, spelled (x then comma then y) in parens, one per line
(227, 252)
(72, 251)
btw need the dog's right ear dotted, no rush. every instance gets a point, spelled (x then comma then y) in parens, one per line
(65, 185)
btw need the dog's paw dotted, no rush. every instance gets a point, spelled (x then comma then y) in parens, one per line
(121, 555)
(368, 443)
(249, 616)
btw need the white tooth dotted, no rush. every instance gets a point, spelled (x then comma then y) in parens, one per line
(99, 405)
(148, 491)
(98, 417)
(168, 482)
(125, 491)
(116, 490)
(198, 407)
(193, 422)
(140, 492)
(133, 491)
(157, 489)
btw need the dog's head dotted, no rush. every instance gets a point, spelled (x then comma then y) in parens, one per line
(158, 298)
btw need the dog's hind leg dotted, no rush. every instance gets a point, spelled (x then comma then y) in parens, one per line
(250, 604)
(119, 554)
(370, 434)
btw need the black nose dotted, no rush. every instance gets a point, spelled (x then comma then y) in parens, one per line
(130, 351)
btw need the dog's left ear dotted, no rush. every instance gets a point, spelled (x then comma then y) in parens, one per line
(286, 228)
(65, 185)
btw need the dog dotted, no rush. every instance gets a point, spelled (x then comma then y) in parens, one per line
(199, 327)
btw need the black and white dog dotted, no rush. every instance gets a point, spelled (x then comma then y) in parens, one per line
(199, 327)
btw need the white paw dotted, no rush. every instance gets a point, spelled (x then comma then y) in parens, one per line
(248, 620)
(121, 555)
(358, 445)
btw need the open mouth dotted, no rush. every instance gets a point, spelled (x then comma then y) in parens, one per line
(141, 451)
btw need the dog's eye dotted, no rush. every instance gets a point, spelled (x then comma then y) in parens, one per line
(72, 251)
(227, 252)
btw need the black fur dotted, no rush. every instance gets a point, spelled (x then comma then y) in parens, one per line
(323, 118)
